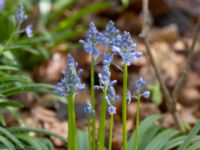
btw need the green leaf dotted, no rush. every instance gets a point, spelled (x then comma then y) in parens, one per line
(173, 143)
(192, 134)
(7, 143)
(34, 87)
(71, 21)
(12, 138)
(194, 146)
(82, 137)
(4, 104)
(159, 141)
(34, 142)
(144, 126)
(148, 136)
(10, 68)
(156, 94)
(45, 132)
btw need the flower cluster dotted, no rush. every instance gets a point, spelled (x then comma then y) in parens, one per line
(2, 4)
(71, 81)
(88, 109)
(140, 88)
(111, 99)
(20, 17)
(94, 37)
(126, 48)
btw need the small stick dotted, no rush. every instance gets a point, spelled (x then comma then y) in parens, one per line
(184, 73)
(144, 36)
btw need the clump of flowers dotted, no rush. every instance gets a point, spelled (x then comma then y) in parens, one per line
(71, 81)
(20, 17)
(117, 43)
(68, 87)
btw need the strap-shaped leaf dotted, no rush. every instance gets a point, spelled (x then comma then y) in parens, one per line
(10, 68)
(192, 134)
(32, 141)
(144, 126)
(48, 143)
(4, 104)
(82, 137)
(28, 87)
(173, 143)
(7, 143)
(45, 132)
(195, 146)
(148, 136)
(11, 137)
(159, 141)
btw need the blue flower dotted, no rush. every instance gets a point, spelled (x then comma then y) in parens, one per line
(71, 81)
(107, 59)
(94, 37)
(110, 33)
(112, 110)
(88, 109)
(146, 94)
(111, 95)
(140, 84)
(2, 4)
(29, 31)
(129, 96)
(104, 77)
(126, 48)
(20, 15)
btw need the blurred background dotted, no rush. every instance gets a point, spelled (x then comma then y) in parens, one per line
(57, 27)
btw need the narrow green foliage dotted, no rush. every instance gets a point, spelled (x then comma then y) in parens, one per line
(102, 125)
(111, 131)
(92, 91)
(137, 124)
(124, 106)
(192, 134)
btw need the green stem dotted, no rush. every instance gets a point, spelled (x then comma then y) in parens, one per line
(89, 135)
(110, 133)
(93, 103)
(124, 103)
(72, 140)
(70, 125)
(102, 125)
(137, 124)
(9, 40)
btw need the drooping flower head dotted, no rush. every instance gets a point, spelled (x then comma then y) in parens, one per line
(140, 87)
(104, 77)
(29, 31)
(2, 4)
(111, 109)
(126, 48)
(107, 59)
(110, 33)
(20, 15)
(94, 37)
(88, 109)
(71, 81)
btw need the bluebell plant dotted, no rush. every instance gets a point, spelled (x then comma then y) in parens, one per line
(94, 38)
(117, 43)
(89, 111)
(140, 88)
(68, 87)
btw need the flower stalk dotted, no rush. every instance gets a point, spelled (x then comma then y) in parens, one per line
(124, 106)
(137, 124)
(92, 91)
(102, 121)
(111, 131)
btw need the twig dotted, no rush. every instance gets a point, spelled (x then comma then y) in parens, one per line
(144, 35)
(184, 73)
